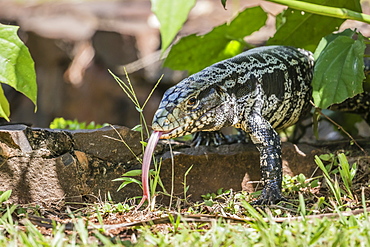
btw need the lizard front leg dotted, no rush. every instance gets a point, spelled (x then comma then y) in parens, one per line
(268, 144)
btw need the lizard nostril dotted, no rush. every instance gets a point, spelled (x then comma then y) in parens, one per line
(169, 107)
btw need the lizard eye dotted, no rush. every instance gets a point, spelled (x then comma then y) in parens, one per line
(192, 101)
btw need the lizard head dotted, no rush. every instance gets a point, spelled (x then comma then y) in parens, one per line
(193, 105)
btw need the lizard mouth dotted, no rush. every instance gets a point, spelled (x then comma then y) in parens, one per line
(168, 134)
(177, 128)
(172, 133)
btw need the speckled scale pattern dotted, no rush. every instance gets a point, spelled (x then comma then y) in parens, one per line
(259, 90)
(359, 104)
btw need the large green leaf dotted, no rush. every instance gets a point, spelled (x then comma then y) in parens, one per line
(171, 16)
(339, 69)
(329, 38)
(16, 65)
(193, 53)
(305, 30)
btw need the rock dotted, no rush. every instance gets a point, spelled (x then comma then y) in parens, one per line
(52, 166)
(13, 140)
(35, 179)
(57, 142)
(107, 143)
(233, 166)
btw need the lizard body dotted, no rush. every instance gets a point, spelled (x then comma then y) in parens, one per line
(259, 90)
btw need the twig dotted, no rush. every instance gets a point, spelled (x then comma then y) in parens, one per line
(200, 218)
(339, 127)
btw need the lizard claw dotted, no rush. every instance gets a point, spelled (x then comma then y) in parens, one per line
(208, 138)
(271, 195)
(268, 201)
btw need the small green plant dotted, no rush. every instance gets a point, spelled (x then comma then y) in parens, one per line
(129, 90)
(347, 174)
(333, 184)
(113, 208)
(61, 123)
(335, 168)
(127, 178)
(4, 196)
(331, 163)
(298, 183)
(186, 186)
(209, 198)
(213, 195)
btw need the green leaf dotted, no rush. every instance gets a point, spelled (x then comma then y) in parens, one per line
(16, 65)
(223, 2)
(124, 184)
(326, 157)
(5, 196)
(208, 203)
(194, 53)
(133, 173)
(338, 71)
(4, 105)
(304, 30)
(171, 16)
(329, 38)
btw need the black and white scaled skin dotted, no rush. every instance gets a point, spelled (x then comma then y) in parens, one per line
(260, 90)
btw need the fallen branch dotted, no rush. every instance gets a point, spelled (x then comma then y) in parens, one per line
(199, 218)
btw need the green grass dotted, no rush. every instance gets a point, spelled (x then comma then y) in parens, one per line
(263, 231)
(350, 231)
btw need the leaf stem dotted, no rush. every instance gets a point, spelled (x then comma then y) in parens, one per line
(341, 13)
(339, 127)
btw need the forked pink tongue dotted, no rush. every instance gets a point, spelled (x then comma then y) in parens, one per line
(153, 140)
